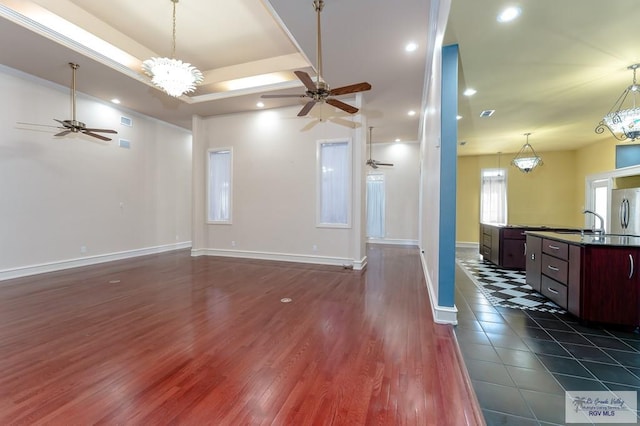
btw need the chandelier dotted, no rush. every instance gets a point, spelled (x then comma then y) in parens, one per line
(623, 123)
(172, 75)
(526, 160)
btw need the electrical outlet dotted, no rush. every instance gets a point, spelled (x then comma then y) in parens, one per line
(233, 243)
(315, 247)
(83, 249)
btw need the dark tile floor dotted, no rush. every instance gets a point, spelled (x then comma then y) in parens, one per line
(521, 362)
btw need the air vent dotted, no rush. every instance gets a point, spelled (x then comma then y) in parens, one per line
(487, 113)
(123, 143)
(126, 121)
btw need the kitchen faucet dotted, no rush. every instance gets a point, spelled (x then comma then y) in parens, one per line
(597, 231)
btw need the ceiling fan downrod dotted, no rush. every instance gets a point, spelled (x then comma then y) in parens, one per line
(318, 6)
(74, 122)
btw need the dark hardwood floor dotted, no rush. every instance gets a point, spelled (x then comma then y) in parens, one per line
(171, 339)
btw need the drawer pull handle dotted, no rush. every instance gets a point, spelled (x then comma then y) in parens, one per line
(631, 266)
(554, 247)
(552, 290)
(553, 268)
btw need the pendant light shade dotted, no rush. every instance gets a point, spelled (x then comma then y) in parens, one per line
(527, 159)
(624, 123)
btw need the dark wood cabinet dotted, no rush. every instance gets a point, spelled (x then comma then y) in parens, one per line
(554, 267)
(533, 262)
(611, 285)
(574, 280)
(596, 282)
(503, 246)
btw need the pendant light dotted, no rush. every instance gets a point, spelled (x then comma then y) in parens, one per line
(526, 160)
(172, 75)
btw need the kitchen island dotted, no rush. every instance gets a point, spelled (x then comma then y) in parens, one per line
(593, 277)
(505, 245)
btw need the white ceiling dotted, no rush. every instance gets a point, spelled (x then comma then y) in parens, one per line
(226, 40)
(554, 72)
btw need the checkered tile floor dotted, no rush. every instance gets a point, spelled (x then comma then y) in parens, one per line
(504, 287)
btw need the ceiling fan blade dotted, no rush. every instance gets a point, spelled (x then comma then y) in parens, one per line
(67, 124)
(99, 130)
(310, 125)
(345, 107)
(34, 124)
(305, 109)
(343, 122)
(95, 135)
(353, 88)
(306, 80)
(63, 133)
(283, 96)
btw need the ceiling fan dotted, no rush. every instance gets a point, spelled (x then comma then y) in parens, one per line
(319, 91)
(373, 163)
(74, 126)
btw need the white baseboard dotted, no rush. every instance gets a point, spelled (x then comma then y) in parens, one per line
(462, 244)
(392, 241)
(441, 314)
(283, 257)
(24, 271)
(359, 265)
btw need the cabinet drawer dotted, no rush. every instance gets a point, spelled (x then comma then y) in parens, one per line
(486, 252)
(554, 291)
(516, 234)
(555, 248)
(486, 240)
(555, 268)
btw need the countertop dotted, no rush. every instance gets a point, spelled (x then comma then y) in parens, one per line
(590, 239)
(532, 226)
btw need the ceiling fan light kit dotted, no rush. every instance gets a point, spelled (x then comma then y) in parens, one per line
(172, 75)
(624, 123)
(319, 92)
(527, 159)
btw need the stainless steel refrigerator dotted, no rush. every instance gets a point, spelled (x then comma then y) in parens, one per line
(625, 211)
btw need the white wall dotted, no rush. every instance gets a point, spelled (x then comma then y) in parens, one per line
(77, 200)
(430, 183)
(401, 189)
(274, 188)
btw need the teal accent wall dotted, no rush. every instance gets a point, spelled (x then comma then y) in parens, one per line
(448, 171)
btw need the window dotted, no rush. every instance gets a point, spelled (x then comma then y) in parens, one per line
(334, 184)
(219, 186)
(493, 196)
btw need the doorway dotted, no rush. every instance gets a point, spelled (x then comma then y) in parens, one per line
(375, 205)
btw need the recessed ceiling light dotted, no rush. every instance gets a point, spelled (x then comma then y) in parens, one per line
(260, 104)
(398, 140)
(509, 14)
(411, 47)
(470, 92)
(458, 117)
(411, 113)
(115, 101)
